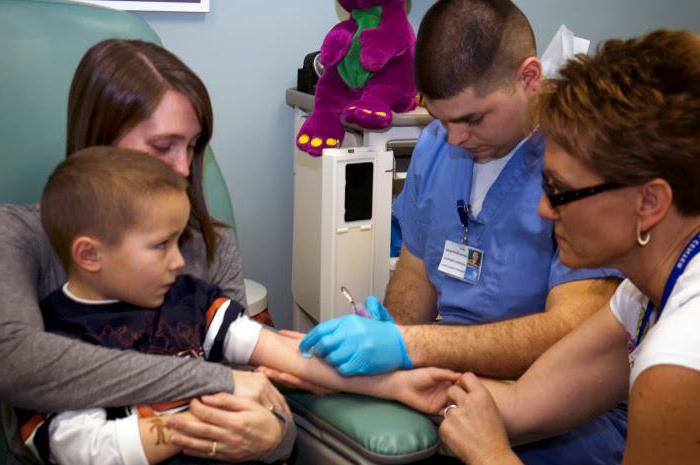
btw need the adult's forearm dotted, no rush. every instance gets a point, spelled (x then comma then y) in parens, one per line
(583, 375)
(410, 299)
(506, 349)
(47, 372)
(498, 350)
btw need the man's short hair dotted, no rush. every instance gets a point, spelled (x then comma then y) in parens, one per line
(470, 43)
(99, 192)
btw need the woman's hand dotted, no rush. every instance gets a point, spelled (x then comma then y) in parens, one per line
(226, 427)
(424, 389)
(257, 387)
(474, 429)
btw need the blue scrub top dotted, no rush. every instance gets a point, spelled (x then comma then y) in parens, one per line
(520, 261)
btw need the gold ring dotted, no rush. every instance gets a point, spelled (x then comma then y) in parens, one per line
(448, 408)
(212, 451)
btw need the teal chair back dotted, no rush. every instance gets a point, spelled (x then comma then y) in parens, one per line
(41, 43)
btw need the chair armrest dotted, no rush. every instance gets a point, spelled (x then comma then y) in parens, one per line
(378, 430)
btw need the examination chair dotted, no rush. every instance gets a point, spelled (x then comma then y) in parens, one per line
(41, 43)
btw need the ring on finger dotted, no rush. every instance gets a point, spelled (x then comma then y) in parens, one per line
(448, 408)
(212, 451)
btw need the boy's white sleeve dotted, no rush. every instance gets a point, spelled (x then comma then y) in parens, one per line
(241, 339)
(86, 437)
(238, 334)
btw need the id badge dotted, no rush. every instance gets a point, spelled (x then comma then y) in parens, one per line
(461, 262)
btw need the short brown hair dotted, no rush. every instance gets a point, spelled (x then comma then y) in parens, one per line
(631, 112)
(118, 84)
(465, 43)
(98, 192)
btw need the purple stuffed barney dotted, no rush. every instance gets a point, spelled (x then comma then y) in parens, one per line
(368, 73)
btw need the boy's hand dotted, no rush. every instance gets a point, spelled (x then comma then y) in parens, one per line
(423, 389)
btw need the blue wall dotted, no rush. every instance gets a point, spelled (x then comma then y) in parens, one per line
(247, 53)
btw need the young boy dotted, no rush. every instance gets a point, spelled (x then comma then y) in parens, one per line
(114, 218)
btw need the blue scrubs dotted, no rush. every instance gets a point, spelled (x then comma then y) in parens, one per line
(520, 262)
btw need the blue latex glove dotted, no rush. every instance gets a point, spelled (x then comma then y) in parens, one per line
(359, 346)
(377, 310)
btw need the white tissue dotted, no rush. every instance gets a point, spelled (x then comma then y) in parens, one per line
(563, 46)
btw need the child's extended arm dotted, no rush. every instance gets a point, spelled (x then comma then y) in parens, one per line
(422, 389)
(240, 340)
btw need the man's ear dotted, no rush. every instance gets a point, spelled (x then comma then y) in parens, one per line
(655, 201)
(530, 75)
(85, 254)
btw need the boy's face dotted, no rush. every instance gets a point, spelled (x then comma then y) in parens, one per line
(489, 126)
(141, 268)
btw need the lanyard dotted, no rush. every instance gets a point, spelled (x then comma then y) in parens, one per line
(463, 210)
(690, 251)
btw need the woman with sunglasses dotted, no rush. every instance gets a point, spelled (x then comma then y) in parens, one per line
(621, 174)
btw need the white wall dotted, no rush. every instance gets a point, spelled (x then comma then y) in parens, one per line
(247, 52)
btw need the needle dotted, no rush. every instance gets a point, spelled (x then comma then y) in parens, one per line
(348, 297)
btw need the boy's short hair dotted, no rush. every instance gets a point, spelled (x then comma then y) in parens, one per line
(98, 192)
(470, 43)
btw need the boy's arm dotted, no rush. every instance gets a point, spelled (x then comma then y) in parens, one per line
(88, 437)
(422, 389)
(246, 342)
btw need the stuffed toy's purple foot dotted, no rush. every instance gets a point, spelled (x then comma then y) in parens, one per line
(372, 115)
(368, 73)
(320, 131)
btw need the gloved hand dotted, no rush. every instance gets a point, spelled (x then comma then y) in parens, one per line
(377, 310)
(359, 346)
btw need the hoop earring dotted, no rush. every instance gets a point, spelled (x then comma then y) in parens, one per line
(642, 238)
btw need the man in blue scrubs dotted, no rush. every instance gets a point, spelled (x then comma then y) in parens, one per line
(476, 258)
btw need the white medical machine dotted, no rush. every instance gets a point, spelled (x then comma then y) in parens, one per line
(342, 214)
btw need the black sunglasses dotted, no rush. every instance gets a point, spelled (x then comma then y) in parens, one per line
(556, 200)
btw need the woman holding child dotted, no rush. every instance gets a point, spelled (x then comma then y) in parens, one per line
(622, 166)
(135, 95)
(119, 277)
